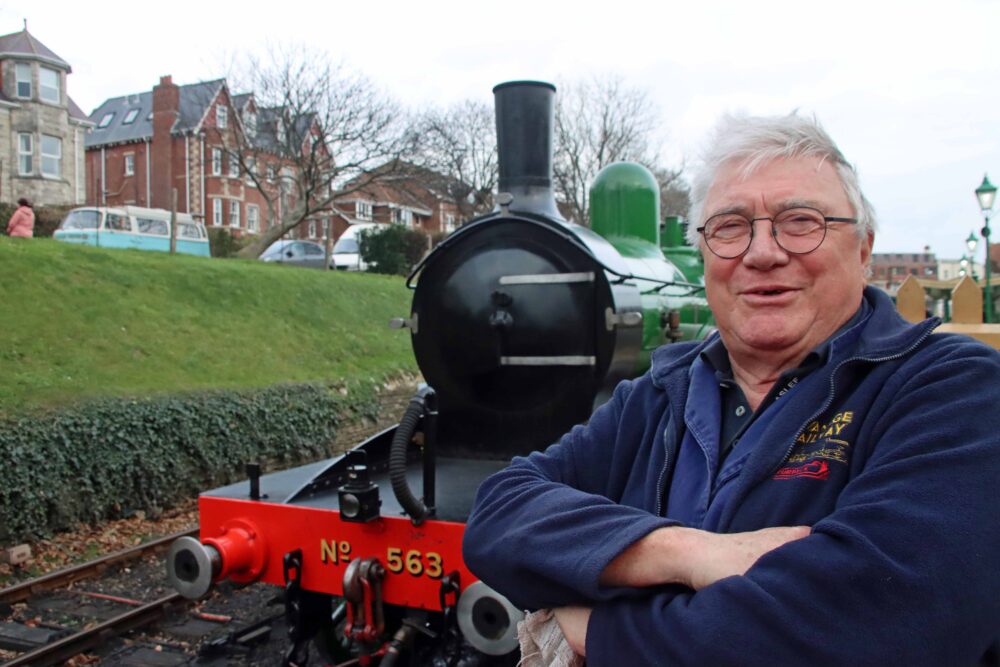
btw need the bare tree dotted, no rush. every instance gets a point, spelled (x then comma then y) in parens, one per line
(597, 122)
(675, 193)
(317, 127)
(460, 143)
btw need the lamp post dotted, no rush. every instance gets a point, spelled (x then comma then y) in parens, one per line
(971, 243)
(986, 194)
(964, 263)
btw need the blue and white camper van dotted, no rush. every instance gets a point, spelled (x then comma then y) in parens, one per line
(132, 227)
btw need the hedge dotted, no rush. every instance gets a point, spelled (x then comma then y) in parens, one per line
(110, 457)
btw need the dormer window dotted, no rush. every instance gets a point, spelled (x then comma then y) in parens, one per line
(221, 116)
(22, 73)
(130, 117)
(250, 118)
(48, 85)
(106, 119)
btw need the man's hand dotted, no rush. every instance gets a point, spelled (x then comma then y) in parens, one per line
(695, 558)
(573, 622)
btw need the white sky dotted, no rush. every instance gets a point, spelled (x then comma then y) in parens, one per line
(909, 90)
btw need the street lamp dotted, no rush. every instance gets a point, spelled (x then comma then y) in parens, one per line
(986, 194)
(971, 244)
(964, 263)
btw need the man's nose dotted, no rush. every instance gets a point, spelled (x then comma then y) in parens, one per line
(764, 251)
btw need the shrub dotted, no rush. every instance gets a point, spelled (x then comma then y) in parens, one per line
(102, 459)
(393, 250)
(222, 243)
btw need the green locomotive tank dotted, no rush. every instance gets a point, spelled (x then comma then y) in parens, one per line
(625, 210)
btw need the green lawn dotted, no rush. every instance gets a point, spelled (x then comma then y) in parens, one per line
(79, 322)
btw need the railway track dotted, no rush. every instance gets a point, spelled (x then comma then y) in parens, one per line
(62, 644)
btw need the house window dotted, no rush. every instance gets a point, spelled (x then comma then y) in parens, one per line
(221, 116)
(270, 173)
(51, 156)
(325, 224)
(312, 229)
(130, 116)
(251, 170)
(250, 117)
(402, 216)
(106, 119)
(253, 218)
(449, 222)
(217, 212)
(234, 213)
(216, 162)
(234, 165)
(363, 210)
(48, 85)
(25, 154)
(22, 73)
(129, 164)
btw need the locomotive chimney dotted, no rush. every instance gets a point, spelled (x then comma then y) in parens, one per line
(524, 145)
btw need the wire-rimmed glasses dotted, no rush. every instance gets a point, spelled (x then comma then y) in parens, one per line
(798, 230)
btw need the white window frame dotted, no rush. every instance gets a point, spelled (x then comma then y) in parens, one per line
(251, 170)
(234, 165)
(326, 227)
(250, 120)
(217, 212)
(402, 216)
(129, 163)
(25, 152)
(221, 116)
(449, 222)
(253, 218)
(106, 120)
(56, 157)
(363, 210)
(19, 71)
(312, 229)
(216, 162)
(130, 116)
(46, 93)
(234, 213)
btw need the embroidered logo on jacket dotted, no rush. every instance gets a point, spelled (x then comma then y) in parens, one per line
(816, 448)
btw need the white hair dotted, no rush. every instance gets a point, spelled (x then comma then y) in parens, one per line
(753, 141)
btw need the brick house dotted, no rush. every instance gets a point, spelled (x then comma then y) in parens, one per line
(890, 269)
(41, 128)
(404, 195)
(145, 145)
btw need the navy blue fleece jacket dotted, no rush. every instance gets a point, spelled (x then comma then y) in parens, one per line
(893, 460)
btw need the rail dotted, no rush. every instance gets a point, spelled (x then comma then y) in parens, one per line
(24, 590)
(966, 305)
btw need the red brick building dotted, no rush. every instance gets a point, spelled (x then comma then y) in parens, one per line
(145, 146)
(404, 195)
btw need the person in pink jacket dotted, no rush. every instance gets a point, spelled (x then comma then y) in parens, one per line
(23, 221)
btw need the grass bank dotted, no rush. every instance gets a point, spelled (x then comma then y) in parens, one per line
(79, 323)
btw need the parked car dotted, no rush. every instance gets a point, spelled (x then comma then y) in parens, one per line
(132, 227)
(346, 252)
(296, 253)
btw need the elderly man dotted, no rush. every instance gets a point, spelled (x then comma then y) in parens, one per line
(815, 485)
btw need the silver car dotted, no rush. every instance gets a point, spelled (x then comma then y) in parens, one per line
(295, 253)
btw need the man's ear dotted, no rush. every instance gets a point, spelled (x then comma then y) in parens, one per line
(866, 253)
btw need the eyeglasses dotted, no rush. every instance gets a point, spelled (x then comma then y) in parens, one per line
(798, 231)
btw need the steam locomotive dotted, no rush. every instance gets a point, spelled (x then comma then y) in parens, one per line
(521, 322)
